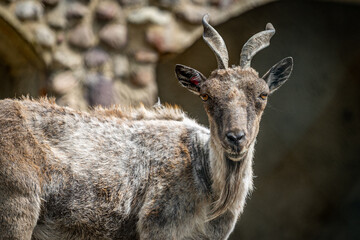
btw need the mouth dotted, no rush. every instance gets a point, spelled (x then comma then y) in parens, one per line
(235, 156)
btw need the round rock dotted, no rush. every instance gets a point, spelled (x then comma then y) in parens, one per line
(29, 10)
(64, 58)
(107, 10)
(95, 57)
(142, 75)
(63, 82)
(162, 38)
(82, 36)
(99, 90)
(44, 36)
(114, 35)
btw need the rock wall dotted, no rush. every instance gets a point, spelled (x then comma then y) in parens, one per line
(105, 51)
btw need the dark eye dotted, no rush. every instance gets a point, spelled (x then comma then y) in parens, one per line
(204, 97)
(263, 96)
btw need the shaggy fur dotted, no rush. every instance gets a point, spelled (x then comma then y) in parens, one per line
(71, 175)
(106, 174)
(133, 173)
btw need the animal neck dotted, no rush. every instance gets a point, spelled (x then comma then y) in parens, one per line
(231, 181)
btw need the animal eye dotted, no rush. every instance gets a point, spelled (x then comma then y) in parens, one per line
(204, 97)
(263, 96)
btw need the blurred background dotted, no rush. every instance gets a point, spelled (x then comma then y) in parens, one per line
(307, 162)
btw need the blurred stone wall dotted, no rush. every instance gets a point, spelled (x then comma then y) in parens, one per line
(99, 51)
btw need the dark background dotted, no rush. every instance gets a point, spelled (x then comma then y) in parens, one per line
(307, 183)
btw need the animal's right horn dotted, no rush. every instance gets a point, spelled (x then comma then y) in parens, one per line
(256, 43)
(216, 43)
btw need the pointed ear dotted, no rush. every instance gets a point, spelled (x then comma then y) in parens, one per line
(189, 78)
(278, 74)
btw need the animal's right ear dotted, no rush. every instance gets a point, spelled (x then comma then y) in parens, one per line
(189, 78)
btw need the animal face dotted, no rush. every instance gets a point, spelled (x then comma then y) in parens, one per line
(235, 98)
(235, 101)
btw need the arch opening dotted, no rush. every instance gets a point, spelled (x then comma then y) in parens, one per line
(22, 71)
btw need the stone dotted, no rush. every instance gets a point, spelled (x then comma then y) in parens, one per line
(121, 66)
(172, 38)
(56, 18)
(107, 10)
(50, 2)
(142, 75)
(160, 38)
(63, 82)
(114, 35)
(99, 90)
(95, 57)
(191, 14)
(29, 10)
(82, 36)
(149, 15)
(146, 56)
(44, 36)
(76, 10)
(65, 58)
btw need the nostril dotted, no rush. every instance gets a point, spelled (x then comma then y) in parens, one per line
(240, 136)
(235, 137)
(231, 137)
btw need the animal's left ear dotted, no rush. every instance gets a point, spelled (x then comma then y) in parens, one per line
(278, 74)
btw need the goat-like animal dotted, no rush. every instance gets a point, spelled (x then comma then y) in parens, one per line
(137, 173)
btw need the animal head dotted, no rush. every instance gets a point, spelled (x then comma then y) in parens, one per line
(234, 98)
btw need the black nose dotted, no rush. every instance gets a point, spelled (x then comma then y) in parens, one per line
(235, 137)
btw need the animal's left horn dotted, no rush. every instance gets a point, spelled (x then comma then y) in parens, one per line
(256, 43)
(216, 43)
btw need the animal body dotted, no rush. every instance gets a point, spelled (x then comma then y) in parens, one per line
(137, 173)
